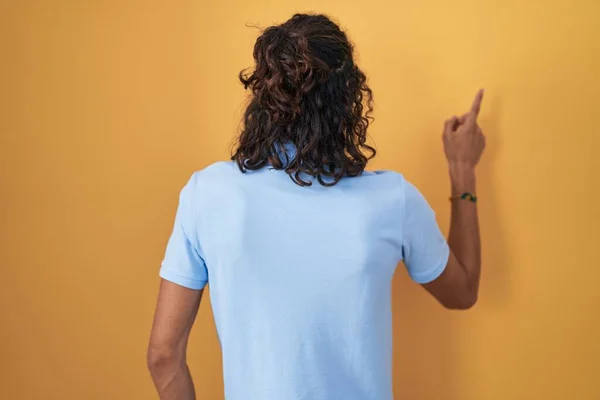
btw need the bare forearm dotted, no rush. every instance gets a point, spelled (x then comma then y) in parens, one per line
(173, 380)
(464, 237)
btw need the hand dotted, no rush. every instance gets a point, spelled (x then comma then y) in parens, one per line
(463, 140)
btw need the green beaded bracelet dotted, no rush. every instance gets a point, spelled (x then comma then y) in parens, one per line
(465, 196)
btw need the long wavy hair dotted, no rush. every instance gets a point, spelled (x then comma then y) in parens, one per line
(306, 92)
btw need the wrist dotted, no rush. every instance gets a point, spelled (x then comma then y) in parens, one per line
(462, 178)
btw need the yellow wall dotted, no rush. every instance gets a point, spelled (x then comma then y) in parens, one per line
(107, 107)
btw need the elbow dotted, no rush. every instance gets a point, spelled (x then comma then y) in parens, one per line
(160, 358)
(465, 302)
(155, 359)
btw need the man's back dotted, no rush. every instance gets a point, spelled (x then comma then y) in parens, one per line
(300, 273)
(299, 277)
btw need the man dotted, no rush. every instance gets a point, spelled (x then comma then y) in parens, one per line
(299, 242)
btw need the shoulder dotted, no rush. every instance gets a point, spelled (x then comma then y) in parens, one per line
(385, 174)
(216, 171)
(214, 174)
(214, 181)
(387, 180)
(399, 181)
(398, 188)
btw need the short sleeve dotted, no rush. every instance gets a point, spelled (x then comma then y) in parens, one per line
(183, 263)
(424, 247)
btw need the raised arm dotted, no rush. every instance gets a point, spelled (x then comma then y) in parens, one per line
(175, 313)
(457, 287)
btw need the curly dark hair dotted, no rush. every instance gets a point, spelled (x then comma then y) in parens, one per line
(306, 91)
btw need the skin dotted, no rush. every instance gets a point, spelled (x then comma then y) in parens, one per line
(176, 311)
(464, 142)
(456, 288)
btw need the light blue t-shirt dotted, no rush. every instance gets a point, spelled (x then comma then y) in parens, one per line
(300, 277)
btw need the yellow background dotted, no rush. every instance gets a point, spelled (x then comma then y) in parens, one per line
(108, 106)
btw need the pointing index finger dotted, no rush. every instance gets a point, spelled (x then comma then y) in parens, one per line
(476, 106)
